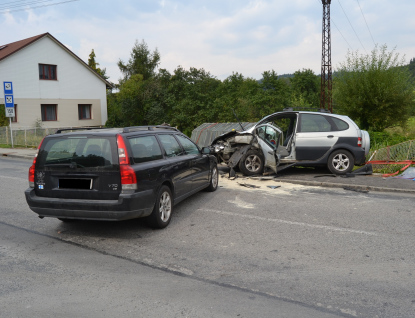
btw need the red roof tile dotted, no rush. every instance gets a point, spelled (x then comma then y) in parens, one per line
(9, 49)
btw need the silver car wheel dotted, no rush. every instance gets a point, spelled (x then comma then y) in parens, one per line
(253, 163)
(165, 206)
(215, 177)
(341, 162)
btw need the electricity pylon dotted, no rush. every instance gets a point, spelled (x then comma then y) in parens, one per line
(326, 99)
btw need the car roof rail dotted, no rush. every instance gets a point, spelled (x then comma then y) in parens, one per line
(60, 130)
(308, 109)
(138, 128)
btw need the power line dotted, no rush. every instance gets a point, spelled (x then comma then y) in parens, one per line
(11, 5)
(366, 22)
(4, 11)
(352, 27)
(342, 36)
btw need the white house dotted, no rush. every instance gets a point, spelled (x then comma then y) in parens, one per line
(51, 84)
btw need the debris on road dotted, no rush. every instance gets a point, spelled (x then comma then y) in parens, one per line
(247, 185)
(274, 187)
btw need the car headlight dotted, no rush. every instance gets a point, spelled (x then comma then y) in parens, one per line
(219, 148)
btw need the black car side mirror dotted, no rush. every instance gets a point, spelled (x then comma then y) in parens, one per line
(206, 151)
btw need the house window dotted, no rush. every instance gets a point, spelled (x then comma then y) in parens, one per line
(84, 111)
(47, 72)
(49, 112)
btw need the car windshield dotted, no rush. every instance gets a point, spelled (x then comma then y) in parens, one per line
(77, 151)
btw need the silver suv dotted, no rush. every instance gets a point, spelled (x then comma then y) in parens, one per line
(291, 138)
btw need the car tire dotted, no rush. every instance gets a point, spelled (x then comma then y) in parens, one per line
(214, 180)
(163, 208)
(251, 163)
(340, 162)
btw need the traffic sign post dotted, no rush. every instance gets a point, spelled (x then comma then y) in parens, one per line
(9, 104)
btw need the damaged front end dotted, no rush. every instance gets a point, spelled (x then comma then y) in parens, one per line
(243, 150)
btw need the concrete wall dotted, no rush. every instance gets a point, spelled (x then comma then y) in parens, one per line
(67, 112)
(75, 84)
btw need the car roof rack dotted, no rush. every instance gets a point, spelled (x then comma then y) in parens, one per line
(308, 109)
(138, 128)
(60, 130)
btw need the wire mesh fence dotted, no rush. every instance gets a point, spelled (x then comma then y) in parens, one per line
(24, 137)
(393, 158)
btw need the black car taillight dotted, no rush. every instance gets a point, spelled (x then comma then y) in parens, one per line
(32, 168)
(128, 177)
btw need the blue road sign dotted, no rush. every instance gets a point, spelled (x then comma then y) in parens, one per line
(8, 88)
(8, 98)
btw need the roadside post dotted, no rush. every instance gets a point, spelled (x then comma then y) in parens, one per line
(9, 104)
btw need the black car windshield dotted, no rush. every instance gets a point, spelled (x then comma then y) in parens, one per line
(77, 152)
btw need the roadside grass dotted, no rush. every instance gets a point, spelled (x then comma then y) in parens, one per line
(16, 146)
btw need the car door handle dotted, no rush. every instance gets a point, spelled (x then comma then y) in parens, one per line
(330, 136)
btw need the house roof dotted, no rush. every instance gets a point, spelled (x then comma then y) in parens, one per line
(8, 49)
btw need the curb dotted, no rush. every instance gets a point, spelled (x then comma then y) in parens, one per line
(350, 186)
(11, 155)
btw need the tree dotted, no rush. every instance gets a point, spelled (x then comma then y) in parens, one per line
(93, 65)
(4, 121)
(273, 96)
(411, 68)
(142, 61)
(305, 88)
(374, 89)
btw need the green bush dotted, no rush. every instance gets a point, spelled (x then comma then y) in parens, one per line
(383, 139)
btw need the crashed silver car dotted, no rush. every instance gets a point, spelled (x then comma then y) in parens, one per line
(295, 138)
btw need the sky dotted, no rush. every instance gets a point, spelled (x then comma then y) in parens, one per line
(220, 36)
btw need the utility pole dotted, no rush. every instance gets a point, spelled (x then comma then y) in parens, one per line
(326, 99)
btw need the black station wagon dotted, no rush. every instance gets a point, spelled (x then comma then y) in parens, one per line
(118, 174)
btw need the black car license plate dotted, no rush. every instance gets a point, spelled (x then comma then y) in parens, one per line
(83, 184)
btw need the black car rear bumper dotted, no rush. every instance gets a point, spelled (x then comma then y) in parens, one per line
(128, 206)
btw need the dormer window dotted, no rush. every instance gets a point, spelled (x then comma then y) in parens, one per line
(47, 72)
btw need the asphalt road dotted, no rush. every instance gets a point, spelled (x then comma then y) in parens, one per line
(290, 252)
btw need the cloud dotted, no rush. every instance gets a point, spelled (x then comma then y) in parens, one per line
(245, 36)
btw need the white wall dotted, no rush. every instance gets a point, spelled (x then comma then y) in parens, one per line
(74, 82)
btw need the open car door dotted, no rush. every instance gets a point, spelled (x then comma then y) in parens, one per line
(269, 138)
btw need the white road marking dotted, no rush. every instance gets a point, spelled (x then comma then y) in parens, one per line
(316, 226)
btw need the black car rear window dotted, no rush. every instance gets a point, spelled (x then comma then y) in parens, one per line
(82, 151)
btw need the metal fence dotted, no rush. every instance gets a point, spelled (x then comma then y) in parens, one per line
(24, 137)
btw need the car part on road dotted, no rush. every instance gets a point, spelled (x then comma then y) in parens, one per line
(274, 187)
(247, 185)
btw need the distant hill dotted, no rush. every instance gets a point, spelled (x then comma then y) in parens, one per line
(286, 75)
(411, 67)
